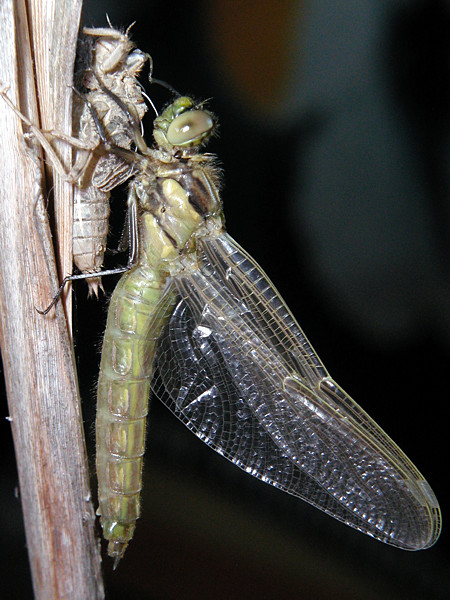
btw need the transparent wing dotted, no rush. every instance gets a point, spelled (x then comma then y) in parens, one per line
(238, 371)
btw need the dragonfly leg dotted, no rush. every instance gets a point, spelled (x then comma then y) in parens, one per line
(41, 135)
(76, 277)
(132, 258)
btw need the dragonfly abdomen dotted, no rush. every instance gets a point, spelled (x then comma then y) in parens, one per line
(90, 230)
(135, 321)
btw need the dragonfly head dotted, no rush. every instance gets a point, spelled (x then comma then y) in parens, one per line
(183, 124)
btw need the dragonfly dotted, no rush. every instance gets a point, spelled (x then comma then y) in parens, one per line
(197, 323)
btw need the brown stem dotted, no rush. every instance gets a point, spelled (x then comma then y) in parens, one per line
(38, 45)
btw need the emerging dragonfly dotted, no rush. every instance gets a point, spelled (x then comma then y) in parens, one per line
(234, 365)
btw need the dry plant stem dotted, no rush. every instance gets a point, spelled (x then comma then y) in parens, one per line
(54, 33)
(36, 351)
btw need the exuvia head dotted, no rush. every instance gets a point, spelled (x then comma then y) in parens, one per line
(183, 124)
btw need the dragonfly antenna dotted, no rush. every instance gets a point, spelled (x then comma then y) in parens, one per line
(164, 84)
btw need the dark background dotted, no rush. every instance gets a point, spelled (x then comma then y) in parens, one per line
(352, 227)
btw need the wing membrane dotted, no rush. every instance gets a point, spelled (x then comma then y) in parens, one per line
(239, 372)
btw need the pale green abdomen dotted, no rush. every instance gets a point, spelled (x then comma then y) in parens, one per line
(136, 316)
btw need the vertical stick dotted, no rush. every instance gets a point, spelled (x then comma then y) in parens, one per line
(37, 354)
(54, 27)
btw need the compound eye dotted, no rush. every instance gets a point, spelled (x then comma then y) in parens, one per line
(190, 128)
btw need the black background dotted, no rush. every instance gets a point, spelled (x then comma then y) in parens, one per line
(208, 530)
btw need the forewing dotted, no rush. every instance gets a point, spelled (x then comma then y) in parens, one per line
(239, 372)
